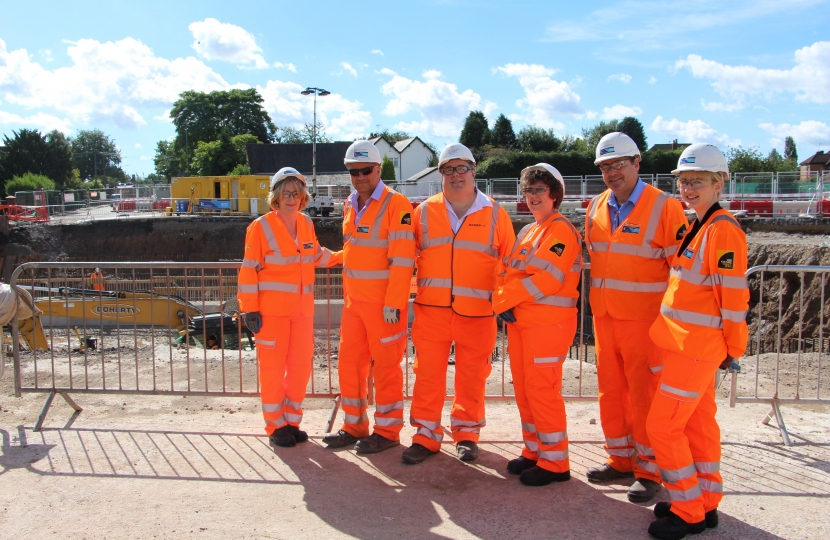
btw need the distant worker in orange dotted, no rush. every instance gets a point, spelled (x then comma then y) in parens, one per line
(538, 302)
(632, 230)
(96, 278)
(462, 238)
(378, 260)
(276, 298)
(701, 326)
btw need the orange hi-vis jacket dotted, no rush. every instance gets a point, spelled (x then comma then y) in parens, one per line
(703, 314)
(276, 272)
(542, 273)
(630, 266)
(379, 253)
(460, 270)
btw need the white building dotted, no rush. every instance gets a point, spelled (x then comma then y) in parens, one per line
(409, 156)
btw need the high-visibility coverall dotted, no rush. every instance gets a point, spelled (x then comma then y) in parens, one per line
(457, 275)
(277, 280)
(378, 259)
(702, 320)
(541, 287)
(96, 279)
(629, 274)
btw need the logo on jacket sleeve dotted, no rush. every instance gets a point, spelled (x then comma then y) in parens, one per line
(681, 232)
(406, 218)
(558, 247)
(689, 254)
(726, 259)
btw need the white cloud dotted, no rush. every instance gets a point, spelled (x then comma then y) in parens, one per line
(546, 100)
(624, 78)
(441, 106)
(431, 74)
(40, 120)
(807, 133)
(137, 145)
(717, 106)
(46, 54)
(289, 66)
(620, 111)
(347, 67)
(163, 117)
(693, 131)
(652, 80)
(377, 51)
(216, 40)
(808, 79)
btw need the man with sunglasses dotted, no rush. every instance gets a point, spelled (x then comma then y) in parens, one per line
(632, 230)
(378, 258)
(462, 237)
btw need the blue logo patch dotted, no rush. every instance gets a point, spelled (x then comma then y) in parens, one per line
(606, 150)
(687, 160)
(308, 245)
(363, 229)
(523, 251)
(361, 154)
(631, 229)
(688, 253)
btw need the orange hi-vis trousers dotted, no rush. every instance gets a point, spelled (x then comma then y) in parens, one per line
(367, 340)
(536, 357)
(628, 371)
(285, 347)
(686, 436)
(433, 332)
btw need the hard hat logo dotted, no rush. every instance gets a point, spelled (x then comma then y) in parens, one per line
(606, 150)
(687, 160)
(361, 154)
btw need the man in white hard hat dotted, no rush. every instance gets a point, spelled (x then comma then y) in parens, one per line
(632, 230)
(378, 258)
(462, 237)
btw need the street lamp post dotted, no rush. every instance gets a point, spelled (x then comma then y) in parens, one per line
(317, 92)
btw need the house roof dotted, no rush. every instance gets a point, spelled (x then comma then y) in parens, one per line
(819, 158)
(400, 146)
(269, 158)
(421, 174)
(374, 140)
(668, 147)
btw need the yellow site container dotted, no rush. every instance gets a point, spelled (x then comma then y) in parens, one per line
(243, 194)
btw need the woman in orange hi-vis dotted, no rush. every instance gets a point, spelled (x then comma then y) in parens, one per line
(701, 326)
(276, 297)
(538, 302)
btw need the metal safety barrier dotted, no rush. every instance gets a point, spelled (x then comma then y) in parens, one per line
(782, 315)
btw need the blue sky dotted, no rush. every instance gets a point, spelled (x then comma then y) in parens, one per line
(738, 72)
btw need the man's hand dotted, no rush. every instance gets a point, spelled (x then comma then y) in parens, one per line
(730, 364)
(391, 315)
(507, 316)
(253, 321)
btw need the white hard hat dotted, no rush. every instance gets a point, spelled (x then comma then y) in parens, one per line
(549, 168)
(615, 145)
(362, 152)
(702, 157)
(98, 270)
(286, 171)
(455, 151)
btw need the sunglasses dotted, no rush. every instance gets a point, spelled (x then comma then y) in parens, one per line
(364, 171)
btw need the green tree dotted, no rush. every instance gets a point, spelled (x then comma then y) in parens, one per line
(570, 143)
(29, 151)
(594, 134)
(790, 151)
(241, 169)
(28, 182)
(476, 132)
(168, 161)
(222, 156)
(391, 136)
(745, 159)
(95, 154)
(58, 164)
(387, 170)
(634, 129)
(502, 134)
(536, 139)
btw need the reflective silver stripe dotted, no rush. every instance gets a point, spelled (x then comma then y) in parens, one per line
(323, 257)
(599, 247)
(671, 251)
(548, 267)
(649, 466)
(402, 261)
(346, 238)
(643, 450)
(277, 422)
(733, 316)
(678, 392)
(481, 294)
(549, 359)
(707, 467)
(533, 446)
(689, 495)
(630, 286)
(691, 317)
(622, 452)
(369, 242)
(277, 286)
(296, 418)
(518, 264)
(559, 301)
(389, 407)
(529, 427)
(710, 486)
(619, 441)
(271, 407)
(426, 423)
(471, 246)
(382, 213)
(645, 252)
(248, 289)
(266, 342)
(676, 475)
(388, 421)
(279, 260)
(555, 437)
(531, 288)
(435, 282)
(548, 455)
(690, 276)
(393, 338)
(426, 432)
(433, 242)
(366, 274)
(352, 402)
(494, 221)
(293, 404)
(457, 422)
(251, 263)
(269, 233)
(352, 419)
(307, 289)
(308, 259)
(656, 369)
(475, 429)
(730, 282)
(401, 235)
(654, 219)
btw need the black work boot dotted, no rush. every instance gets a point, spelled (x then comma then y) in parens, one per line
(416, 454)
(663, 509)
(339, 439)
(643, 490)
(673, 527)
(520, 464)
(374, 443)
(537, 476)
(299, 436)
(466, 450)
(606, 473)
(282, 437)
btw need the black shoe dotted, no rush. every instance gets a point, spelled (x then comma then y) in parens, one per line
(466, 450)
(643, 490)
(282, 437)
(416, 454)
(519, 465)
(606, 473)
(663, 509)
(537, 476)
(339, 439)
(299, 436)
(374, 443)
(672, 527)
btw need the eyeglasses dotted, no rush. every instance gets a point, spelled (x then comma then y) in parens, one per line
(290, 195)
(460, 169)
(694, 184)
(527, 192)
(616, 166)
(364, 171)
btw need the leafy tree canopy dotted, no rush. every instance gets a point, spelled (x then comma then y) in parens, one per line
(220, 157)
(476, 132)
(790, 151)
(387, 170)
(290, 135)
(95, 154)
(634, 129)
(391, 136)
(29, 151)
(28, 182)
(502, 134)
(536, 139)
